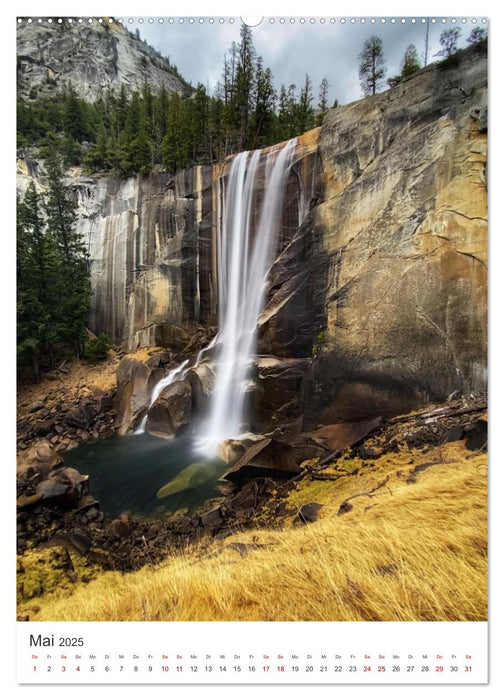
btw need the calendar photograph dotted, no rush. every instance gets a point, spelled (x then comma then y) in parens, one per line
(251, 320)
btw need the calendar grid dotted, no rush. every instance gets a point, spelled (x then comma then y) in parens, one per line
(174, 653)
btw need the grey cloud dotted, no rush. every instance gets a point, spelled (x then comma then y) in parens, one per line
(327, 50)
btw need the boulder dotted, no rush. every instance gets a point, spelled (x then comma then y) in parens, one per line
(53, 490)
(105, 402)
(40, 428)
(119, 529)
(77, 541)
(81, 417)
(25, 501)
(135, 382)
(41, 457)
(232, 449)
(340, 436)
(477, 435)
(63, 487)
(308, 513)
(86, 503)
(202, 379)
(268, 457)
(171, 411)
(211, 517)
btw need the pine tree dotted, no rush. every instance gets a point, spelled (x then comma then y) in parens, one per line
(448, 41)
(75, 118)
(243, 90)
(305, 112)
(71, 281)
(322, 103)
(134, 141)
(263, 118)
(477, 34)
(287, 126)
(32, 265)
(121, 109)
(410, 63)
(372, 65)
(97, 157)
(160, 116)
(172, 146)
(217, 128)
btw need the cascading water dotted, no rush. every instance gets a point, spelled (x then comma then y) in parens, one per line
(173, 376)
(244, 258)
(177, 374)
(246, 242)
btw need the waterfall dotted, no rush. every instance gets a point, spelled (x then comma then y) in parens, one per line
(174, 375)
(246, 243)
(178, 374)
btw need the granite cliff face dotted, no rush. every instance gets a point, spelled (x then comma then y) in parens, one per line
(92, 58)
(404, 234)
(148, 240)
(377, 297)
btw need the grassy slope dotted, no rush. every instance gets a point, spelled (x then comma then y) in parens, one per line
(409, 551)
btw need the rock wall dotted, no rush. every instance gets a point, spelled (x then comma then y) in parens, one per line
(404, 236)
(384, 284)
(148, 240)
(92, 58)
(377, 297)
(152, 246)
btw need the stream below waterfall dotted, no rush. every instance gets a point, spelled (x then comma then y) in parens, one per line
(126, 473)
(142, 473)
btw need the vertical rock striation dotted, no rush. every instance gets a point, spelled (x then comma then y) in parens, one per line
(376, 300)
(148, 240)
(403, 226)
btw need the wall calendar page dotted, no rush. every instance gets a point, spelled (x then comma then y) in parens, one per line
(251, 285)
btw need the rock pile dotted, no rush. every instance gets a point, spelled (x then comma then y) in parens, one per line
(66, 419)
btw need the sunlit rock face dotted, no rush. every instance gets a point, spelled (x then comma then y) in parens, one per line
(404, 234)
(378, 287)
(92, 58)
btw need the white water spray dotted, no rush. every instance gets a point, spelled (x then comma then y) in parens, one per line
(246, 244)
(178, 374)
(174, 375)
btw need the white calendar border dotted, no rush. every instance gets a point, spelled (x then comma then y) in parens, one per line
(221, 652)
(7, 647)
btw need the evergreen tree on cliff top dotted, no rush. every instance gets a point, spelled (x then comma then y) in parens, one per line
(372, 65)
(244, 85)
(448, 41)
(411, 62)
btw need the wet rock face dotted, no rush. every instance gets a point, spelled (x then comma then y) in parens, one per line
(150, 254)
(135, 381)
(277, 397)
(171, 411)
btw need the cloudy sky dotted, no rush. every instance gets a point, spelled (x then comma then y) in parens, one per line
(327, 49)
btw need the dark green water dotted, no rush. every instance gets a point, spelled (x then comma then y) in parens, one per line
(125, 473)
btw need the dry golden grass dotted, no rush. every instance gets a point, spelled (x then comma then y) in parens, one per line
(410, 551)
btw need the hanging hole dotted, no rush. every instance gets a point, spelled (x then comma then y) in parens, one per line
(251, 21)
